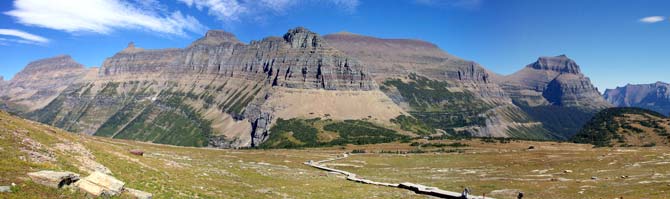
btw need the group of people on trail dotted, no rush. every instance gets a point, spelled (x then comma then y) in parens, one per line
(466, 192)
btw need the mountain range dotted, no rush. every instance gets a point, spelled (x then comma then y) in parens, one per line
(220, 92)
(654, 96)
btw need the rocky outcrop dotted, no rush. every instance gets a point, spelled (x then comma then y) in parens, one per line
(654, 96)
(100, 184)
(560, 64)
(53, 179)
(97, 184)
(553, 81)
(41, 81)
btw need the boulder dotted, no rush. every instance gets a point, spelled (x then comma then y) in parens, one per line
(99, 184)
(138, 194)
(137, 152)
(53, 179)
(5, 189)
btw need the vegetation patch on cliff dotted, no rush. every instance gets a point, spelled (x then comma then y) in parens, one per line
(299, 133)
(408, 123)
(168, 121)
(435, 105)
(561, 121)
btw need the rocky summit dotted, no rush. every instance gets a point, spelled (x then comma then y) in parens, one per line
(41, 81)
(553, 81)
(654, 96)
(555, 92)
(337, 89)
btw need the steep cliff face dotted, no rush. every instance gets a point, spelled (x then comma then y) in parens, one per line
(553, 81)
(211, 93)
(553, 90)
(654, 96)
(300, 59)
(41, 81)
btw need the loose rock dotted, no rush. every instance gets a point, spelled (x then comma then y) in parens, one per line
(137, 152)
(53, 178)
(138, 194)
(99, 184)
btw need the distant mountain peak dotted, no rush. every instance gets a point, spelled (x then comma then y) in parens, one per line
(560, 63)
(357, 38)
(220, 34)
(52, 63)
(653, 96)
(217, 37)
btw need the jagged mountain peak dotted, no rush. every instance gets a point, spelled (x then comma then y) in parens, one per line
(301, 37)
(560, 63)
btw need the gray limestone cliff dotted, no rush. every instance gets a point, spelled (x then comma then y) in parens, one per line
(553, 81)
(300, 59)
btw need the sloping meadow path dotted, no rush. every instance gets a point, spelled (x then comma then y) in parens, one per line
(417, 188)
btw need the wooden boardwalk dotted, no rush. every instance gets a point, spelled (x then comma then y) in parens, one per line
(417, 188)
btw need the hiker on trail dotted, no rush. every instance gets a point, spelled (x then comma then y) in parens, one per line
(465, 193)
(520, 196)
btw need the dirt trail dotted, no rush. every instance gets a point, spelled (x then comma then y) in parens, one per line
(417, 188)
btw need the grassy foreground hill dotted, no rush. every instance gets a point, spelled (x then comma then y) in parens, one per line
(499, 168)
(167, 171)
(626, 127)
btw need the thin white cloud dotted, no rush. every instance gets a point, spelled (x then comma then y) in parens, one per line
(232, 10)
(25, 37)
(221, 9)
(652, 19)
(103, 16)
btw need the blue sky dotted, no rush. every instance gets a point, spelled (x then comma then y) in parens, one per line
(615, 42)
